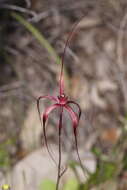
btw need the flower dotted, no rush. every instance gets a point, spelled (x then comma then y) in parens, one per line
(62, 103)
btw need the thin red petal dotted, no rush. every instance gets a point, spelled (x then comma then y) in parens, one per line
(46, 143)
(74, 117)
(75, 120)
(44, 97)
(47, 97)
(43, 125)
(79, 109)
(48, 111)
(45, 117)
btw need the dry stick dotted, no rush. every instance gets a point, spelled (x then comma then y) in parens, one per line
(36, 17)
(28, 3)
(120, 60)
(9, 87)
(17, 8)
(39, 16)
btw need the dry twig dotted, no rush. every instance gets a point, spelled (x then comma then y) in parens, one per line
(35, 17)
(28, 3)
(17, 8)
(13, 86)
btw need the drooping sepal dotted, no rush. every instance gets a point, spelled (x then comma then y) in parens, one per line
(79, 109)
(44, 118)
(73, 116)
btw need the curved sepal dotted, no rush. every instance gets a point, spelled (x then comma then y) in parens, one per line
(79, 109)
(73, 116)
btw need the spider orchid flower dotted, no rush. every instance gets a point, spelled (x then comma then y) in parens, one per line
(63, 103)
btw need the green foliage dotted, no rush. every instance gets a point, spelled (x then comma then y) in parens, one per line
(97, 152)
(47, 185)
(72, 184)
(73, 164)
(125, 162)
(5, 160)
(105, 171)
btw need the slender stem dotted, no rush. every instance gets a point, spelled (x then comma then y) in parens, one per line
(59, 143)
(59, 164)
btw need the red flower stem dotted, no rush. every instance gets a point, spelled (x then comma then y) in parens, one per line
(59, 144)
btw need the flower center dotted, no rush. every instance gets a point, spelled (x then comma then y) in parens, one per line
(62, 99)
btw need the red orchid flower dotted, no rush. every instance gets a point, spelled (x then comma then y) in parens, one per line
(62, 103)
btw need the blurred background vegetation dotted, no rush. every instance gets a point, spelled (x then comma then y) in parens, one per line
(96, 77)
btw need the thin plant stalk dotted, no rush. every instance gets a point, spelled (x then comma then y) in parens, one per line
(59, 144)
